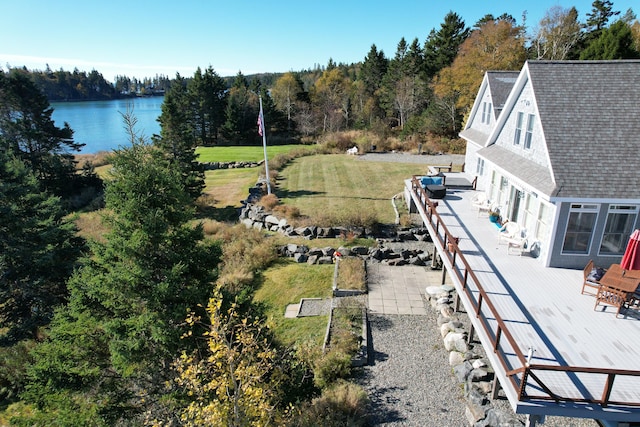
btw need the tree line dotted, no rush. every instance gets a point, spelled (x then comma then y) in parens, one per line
(134, 328)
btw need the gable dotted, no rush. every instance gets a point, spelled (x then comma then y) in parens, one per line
(586, 128)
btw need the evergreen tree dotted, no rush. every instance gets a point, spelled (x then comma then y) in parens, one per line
(177, 139)
(442, 46)
(207, 95)
(29, 132)
(614, 42)
(111, 347)
(38, 250)
(373, 69)
(599, 16)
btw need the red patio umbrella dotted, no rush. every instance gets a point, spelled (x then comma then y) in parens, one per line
(631, 257)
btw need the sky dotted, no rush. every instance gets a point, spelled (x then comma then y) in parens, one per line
(142, 38)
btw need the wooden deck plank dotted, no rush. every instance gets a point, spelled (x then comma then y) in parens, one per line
(544, 309)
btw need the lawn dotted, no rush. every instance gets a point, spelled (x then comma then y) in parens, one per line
(339, 185)
(241, 153)
(285, 283)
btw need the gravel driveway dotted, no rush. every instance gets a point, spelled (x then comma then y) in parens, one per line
(442, 159)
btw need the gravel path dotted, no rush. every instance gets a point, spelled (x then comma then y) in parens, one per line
(410, 382)
(442, 159)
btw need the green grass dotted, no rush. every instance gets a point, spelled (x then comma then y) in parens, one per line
(286, 283)
(241, 153)
(338, 185)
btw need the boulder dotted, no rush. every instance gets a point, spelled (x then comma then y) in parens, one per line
(300, 258)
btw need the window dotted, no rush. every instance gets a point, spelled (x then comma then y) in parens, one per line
(577, 239)
(529, 133)
(516, 136)
(620, 221)
(488, 113)
(530, 204)
(480, 167)
(484, 111)
(544, 219)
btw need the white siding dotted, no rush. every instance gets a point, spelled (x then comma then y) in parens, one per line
(525, 103)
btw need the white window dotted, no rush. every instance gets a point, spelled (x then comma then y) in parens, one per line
(530, 204)
(480, 167)
(529, 133)
(544, 219)
(620, 222)
(488, 113)
(516, 136)
(577, 238)
(484, 112)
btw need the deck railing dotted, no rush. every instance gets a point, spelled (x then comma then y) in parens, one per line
(531, 381)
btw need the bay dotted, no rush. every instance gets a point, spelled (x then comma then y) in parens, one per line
(99, 124)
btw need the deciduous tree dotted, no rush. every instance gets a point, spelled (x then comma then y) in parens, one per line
(558, 32)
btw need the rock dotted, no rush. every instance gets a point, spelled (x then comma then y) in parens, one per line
(456, 358)
(271, 220)
(300, 257)
(462, 371)
(313, 259)
(360, 250)
(316, 252)
(474, 413)
(344, 251)
(451, 339)
(328, 251)
(325, 260)
(479, 375)
(247, 222)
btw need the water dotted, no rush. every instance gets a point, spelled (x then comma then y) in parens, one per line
(99, 124)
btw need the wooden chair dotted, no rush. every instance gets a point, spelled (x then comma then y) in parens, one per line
(589, 282)
(611, 296)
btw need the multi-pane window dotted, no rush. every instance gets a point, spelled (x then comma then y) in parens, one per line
(529, 207)
(516, 136)
(544, 218)
(480, 167)
(529, 133)
(577, 239)
(488, 113)
(620, 222)
(484, 112)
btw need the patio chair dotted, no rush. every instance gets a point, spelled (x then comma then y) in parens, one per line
(510, 232)
(519, 245)
(611, 296)
(592, 276)
(481, 203)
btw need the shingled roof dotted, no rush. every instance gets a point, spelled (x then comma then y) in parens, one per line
(500, 85)
(590, 115)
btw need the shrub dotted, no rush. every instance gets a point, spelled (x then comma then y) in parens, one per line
(13, 363)
(269, 201)
(343, 404)
(330, 367)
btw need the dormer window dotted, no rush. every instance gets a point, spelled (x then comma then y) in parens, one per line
(529, 133)
(518, 132)
(486, 112)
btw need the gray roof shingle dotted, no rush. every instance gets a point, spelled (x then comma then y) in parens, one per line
(500, 85)
(590, 114)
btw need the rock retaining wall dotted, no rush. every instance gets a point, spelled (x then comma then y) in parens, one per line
(470, 368)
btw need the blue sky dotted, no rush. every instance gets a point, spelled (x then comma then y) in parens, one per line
(143, 38)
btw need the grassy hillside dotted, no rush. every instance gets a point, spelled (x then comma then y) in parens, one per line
(338, 186)
(243, 153)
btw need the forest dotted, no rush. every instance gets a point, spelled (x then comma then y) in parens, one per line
(150, 324)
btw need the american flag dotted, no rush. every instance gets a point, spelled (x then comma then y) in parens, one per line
(260, 122)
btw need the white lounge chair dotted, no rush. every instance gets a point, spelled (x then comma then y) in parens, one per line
(510, 231)
(481, 203)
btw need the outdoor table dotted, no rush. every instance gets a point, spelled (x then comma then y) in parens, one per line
(617, 286)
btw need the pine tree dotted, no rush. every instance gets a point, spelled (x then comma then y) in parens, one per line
(442, 46)
(38, 251)
(30, 133)
(111, 347)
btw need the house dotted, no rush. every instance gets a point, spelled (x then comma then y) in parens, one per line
(556, 148)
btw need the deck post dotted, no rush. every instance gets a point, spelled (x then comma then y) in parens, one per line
(444, 274)
(533, 419)
(472, 330)
(495, 388)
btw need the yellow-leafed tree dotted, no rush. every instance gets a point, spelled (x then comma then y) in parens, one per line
(496, 45)
(235, 381)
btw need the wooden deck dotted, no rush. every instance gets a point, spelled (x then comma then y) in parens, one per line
(585, 363)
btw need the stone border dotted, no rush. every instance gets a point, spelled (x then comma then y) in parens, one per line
(472, 369)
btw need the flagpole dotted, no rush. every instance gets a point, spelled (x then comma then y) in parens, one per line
(264, 145)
